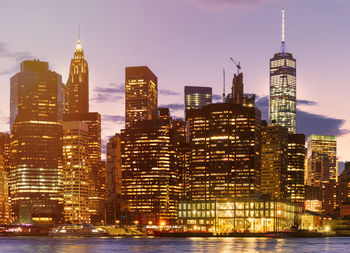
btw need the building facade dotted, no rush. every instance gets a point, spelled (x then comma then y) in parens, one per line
(225, 159)
(274, 161)
(141, 94)
(196, 97)
(76, 172)
(296, 168)
(322, 163)
(150, 173)
(97, 172)
(78, 82)
(5, 208)
(36, 144)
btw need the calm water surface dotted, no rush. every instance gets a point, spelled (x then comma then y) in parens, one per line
(101, 245)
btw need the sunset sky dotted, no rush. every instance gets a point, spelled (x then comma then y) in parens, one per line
(187, 42)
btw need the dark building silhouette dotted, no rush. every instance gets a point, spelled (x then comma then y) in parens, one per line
(36, 144)
(141, 94)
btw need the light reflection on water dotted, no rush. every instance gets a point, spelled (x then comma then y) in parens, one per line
(168, 245)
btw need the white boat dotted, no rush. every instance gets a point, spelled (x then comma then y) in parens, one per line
(77, 230)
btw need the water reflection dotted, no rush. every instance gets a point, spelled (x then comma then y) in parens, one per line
(169, 245)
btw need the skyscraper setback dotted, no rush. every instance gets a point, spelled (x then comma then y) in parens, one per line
(141, 97)
(283, 87)
(36, 144)
(78, 82)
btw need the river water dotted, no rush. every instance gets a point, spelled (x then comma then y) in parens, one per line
(168, 245)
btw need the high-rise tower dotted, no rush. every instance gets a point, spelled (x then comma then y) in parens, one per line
(141, 97)
(283, 87)
(78, 82)
(36, 144)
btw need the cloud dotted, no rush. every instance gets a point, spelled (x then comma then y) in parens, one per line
(213, 5)
(168, 92)
(15, 57)
(174, 107)
(217, 98)
(111, 93)
(114, 118)
(308, 123)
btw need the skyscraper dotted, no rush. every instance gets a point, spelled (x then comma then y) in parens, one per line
(225, 157)
(36, 144)
(5, 208)
(114, 180)
(97, 173)
(150, 173)
(283, 87)
(76, 172)
(196, 97)
(141, 97)
(322, 164)
(296, 168)
(78, 82)
(274, 155)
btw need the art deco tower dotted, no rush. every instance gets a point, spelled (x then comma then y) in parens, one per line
(78, 82)
(283, 87)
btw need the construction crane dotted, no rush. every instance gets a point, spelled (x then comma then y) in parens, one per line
(238, 65)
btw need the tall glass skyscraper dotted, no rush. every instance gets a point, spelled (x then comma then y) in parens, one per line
(283, 87)
(197, 97)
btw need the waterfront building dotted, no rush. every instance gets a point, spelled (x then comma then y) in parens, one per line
(245, 215)
(114, 181)
(36, 144)
(78, 82)
(322, 164)
(274, 161)
(296, 168)
(76, 172)
(150, 172)
(225, 158)
(313, 198)
(141, 94)
(333, 195)
(283, 87)
(5, 209)
(196, 97)
(97, 172)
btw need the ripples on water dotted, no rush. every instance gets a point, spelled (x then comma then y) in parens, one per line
(101, 245)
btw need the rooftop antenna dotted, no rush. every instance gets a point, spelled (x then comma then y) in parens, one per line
(78, 31)
(238, 65)
(224, 80)
(283, 42)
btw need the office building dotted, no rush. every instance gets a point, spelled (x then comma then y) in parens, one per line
(141, 97)
(283, 87)
(5, 209)
(78, 82)
(322, 164)
(296, 168)
(36, 144)
(150, 173)
(274, 161)
(225, 158)
(76, 172)
(196, 97)
(97, 173)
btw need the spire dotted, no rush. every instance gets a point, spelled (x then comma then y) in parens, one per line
(78, 54)
(283, 42)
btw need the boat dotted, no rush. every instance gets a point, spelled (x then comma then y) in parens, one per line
(77, 230)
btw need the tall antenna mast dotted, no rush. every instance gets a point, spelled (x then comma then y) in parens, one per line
(224, 80)
(283, 42)
(78, 31)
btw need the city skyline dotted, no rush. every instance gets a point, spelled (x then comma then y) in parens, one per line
(170, 85)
